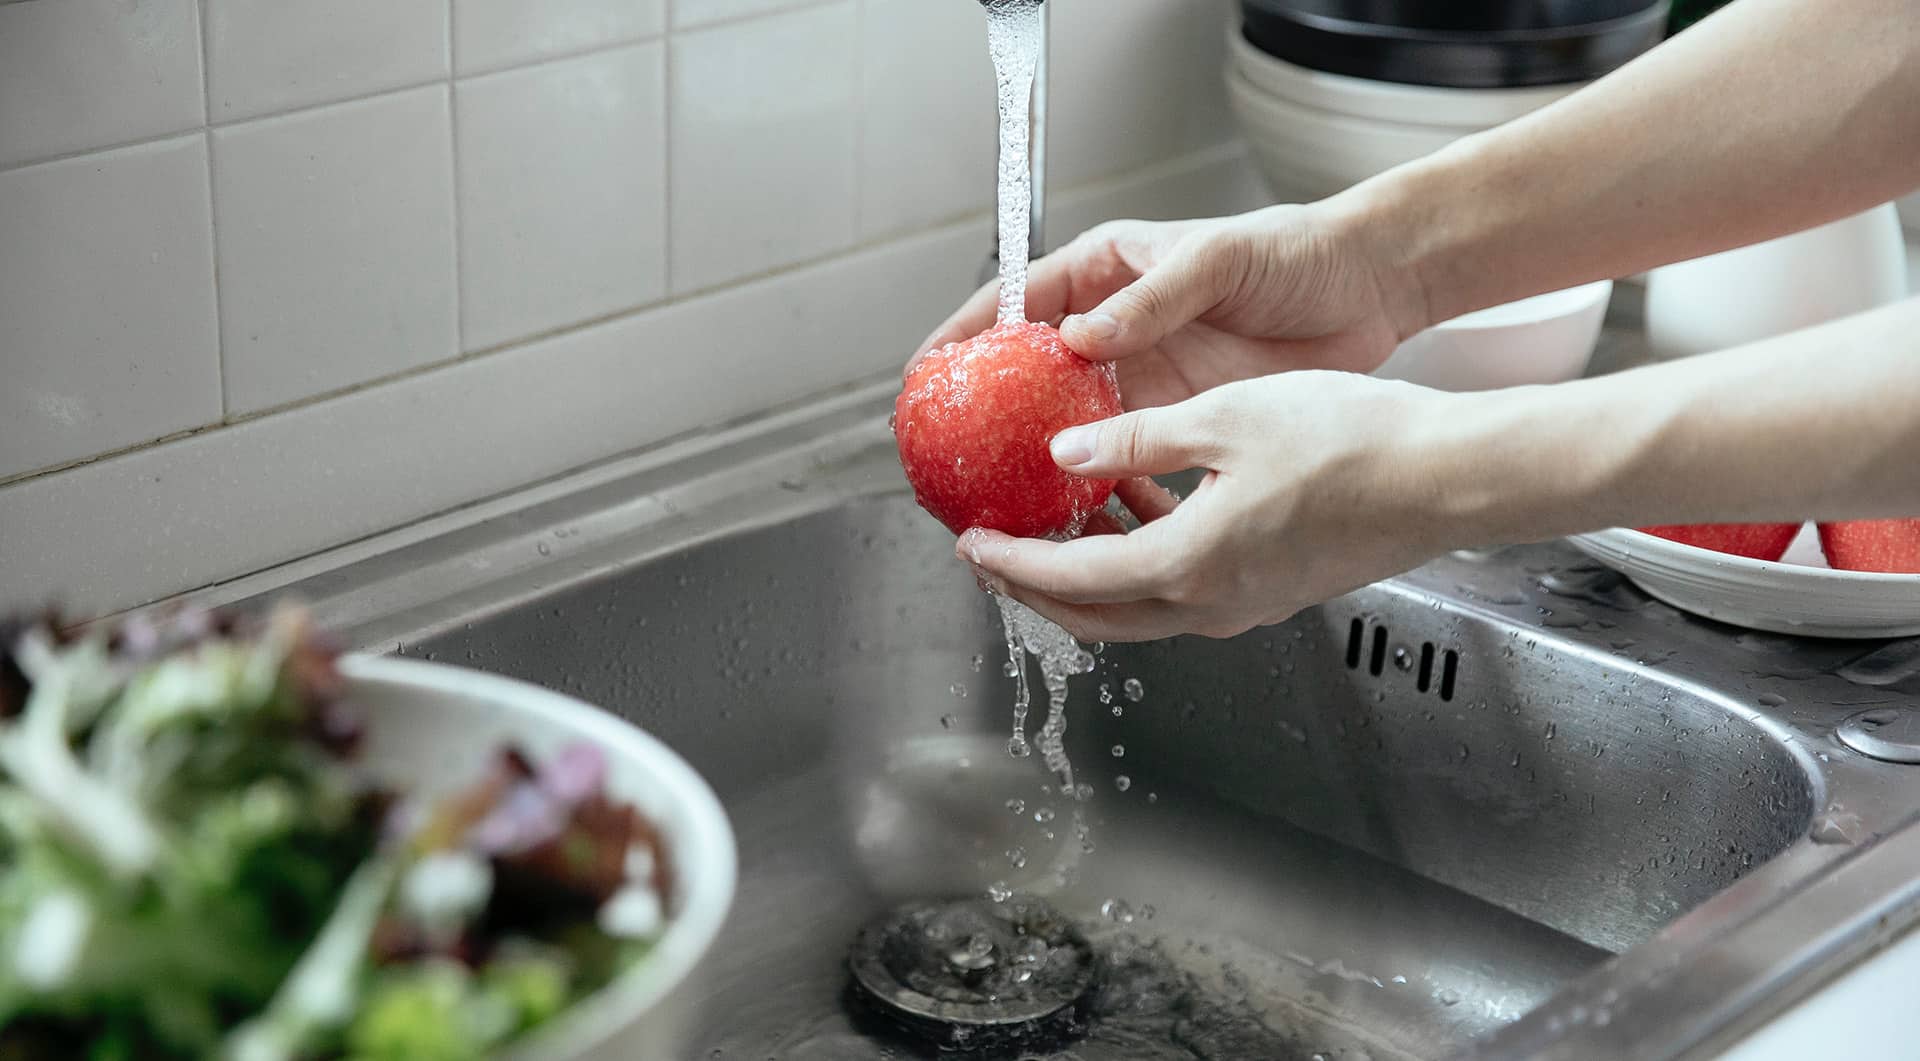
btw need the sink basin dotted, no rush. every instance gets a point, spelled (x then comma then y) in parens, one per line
(1503, 806)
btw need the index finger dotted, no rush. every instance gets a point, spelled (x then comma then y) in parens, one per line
(1077, 277)
(1100, 569)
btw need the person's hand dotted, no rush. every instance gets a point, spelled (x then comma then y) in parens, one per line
(1186, 306)
(1318, 483)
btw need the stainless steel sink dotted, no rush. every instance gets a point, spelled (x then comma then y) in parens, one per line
(1502, 807)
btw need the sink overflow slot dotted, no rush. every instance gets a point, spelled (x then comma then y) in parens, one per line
(1375, 653)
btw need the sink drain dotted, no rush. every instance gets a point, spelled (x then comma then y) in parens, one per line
(975, 975)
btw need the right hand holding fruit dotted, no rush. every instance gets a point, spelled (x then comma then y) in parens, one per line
(1297, 507)
(1186, 306)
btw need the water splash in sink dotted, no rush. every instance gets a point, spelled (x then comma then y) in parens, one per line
(1060, 658)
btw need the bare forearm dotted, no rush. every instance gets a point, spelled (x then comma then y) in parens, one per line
(1770, 117)
(1819, 424)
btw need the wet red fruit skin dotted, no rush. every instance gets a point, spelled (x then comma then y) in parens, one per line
(1761, 541)
(1888, 545)
(974, 423)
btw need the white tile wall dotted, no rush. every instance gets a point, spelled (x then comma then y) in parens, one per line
(491, 34)
(106, 303)
(420, 251)
(82, 74)
(1135, 81)
(927, 113)
(563, 193)
(273, 55)
(335, 231)
(762, 143)
(690, 13)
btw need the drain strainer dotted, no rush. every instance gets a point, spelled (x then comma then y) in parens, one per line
(971, 974)
(1885, 733)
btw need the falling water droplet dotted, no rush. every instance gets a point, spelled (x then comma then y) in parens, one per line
(1134, 690)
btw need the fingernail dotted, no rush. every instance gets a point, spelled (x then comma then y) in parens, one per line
(1098, 326)
(1073, 447)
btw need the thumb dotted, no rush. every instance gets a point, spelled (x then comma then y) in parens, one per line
(1187, 283)
(1145, 442)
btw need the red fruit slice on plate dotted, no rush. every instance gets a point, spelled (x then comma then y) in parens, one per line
(1761, 541)
(975, 421)
(1891, 545)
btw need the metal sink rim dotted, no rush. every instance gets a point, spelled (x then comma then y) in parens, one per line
(1705, 980)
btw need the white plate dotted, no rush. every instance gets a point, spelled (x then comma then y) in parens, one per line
(1783, 598)
(1544, 339)
(431, 727)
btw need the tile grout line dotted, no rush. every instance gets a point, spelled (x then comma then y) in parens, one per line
(213, 207)
(667, 125)
(459, 209)
(208, 123)
(614, 45)
(858, 103)
(1162, 170)
(735, 20)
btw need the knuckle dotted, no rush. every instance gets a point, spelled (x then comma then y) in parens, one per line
(1124, 439)
(1149, 299)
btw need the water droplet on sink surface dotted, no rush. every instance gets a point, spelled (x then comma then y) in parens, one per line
(999, 892)
(1447, 996)
(1119, 751)
(1123, 782)
(1017, 806)
(1772, 700)
(949, 721)
(1838, 826)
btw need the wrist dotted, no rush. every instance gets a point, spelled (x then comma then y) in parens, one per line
(1417, 229)
(1373, 222)
(1531, 463)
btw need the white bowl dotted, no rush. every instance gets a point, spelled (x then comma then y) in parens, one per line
(1308, 154)
(1544, 339)
(1909, 208)
(1777, 286)
(432, 727)
(1315, 134)
(1782, 597)
(1459, 109)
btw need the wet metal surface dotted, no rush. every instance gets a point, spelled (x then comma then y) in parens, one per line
(1501, 807)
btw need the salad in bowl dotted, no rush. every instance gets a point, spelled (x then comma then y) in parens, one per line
(223, 839)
